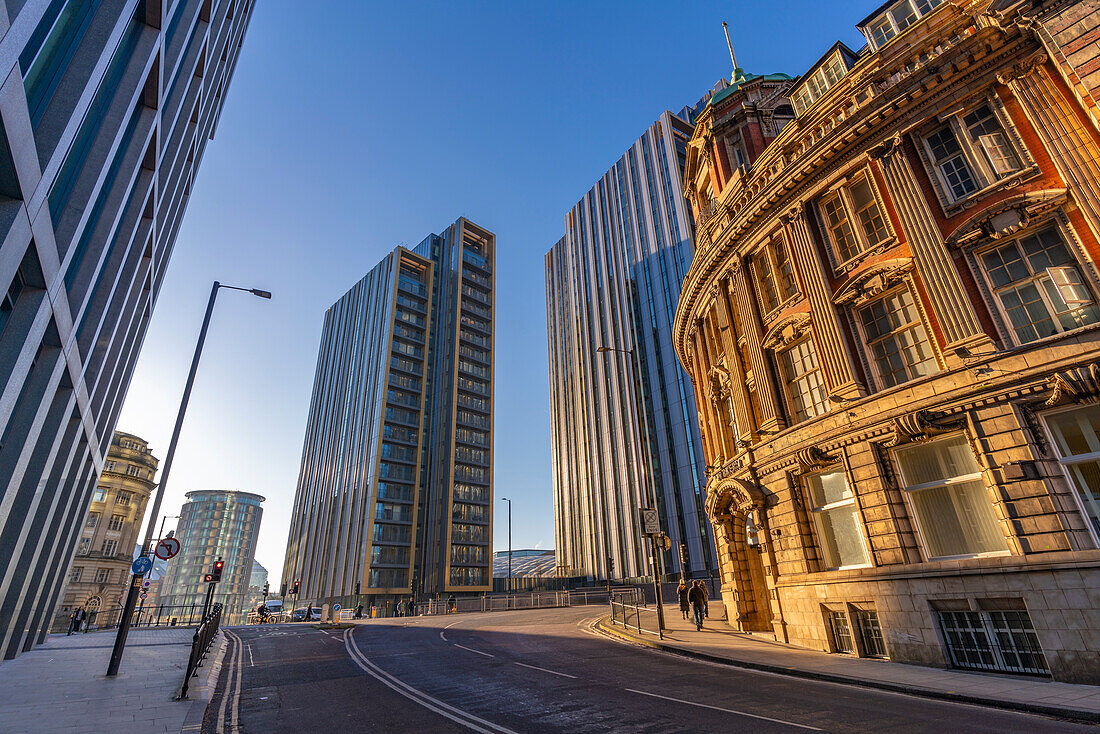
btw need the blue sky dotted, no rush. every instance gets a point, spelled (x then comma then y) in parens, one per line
(357, 126)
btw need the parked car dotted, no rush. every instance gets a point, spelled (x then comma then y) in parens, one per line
(304, 614)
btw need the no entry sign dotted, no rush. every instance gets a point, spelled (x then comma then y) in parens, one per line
(167, 548)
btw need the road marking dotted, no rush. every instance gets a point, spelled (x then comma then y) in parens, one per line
(236, 657)
(452, 624)
(479, 652)
(433, 704)
(728, 711)
(251, 663)
(546, 670)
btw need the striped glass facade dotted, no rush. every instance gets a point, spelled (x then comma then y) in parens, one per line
(395, 489)
(105, 112)
(623, 429)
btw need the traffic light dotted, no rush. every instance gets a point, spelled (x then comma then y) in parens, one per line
(282, 589)
(216, 571)
(297, 583)
(267, 589)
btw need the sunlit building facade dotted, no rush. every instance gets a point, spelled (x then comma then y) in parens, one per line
(395, 489)
(107, 108)
(892, 323)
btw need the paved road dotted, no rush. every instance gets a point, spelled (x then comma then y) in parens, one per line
(540, 671)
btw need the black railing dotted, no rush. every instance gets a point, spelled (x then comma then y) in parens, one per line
(200, 645)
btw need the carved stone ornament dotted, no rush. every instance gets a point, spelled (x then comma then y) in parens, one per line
(921, 426)
(730, 496)
(886, 147)
(1075, 385)
(786, 330)
(813, 458)
(1021, 68)
(1007, 217)
(868, 283)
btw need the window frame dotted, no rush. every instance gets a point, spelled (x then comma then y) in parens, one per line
(841, 189)
(865, 339)
(815, 511)
(786, 384)
(1079, 502)
(766, 253)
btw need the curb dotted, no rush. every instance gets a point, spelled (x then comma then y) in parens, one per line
(203, 689)
(1091, 717)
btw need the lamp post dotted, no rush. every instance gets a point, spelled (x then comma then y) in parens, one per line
(509, 541)
(135, 580)
(643, 442)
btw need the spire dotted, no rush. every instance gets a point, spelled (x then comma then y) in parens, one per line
(733, 59)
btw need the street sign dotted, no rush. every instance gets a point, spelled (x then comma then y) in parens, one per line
(143, 595)
(335, 608)
(142, 566)
(167, 548)
(651, 521)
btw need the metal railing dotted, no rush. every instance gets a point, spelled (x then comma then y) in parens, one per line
(632, 615)
(200, 645)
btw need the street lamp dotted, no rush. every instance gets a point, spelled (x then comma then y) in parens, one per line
(509, 541)
(135, 580)
(643, 442)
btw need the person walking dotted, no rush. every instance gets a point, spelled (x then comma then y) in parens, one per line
(72, 621)
(682, 593)
(359, 610)
(698, 598)
(81, 615)
(451, 604)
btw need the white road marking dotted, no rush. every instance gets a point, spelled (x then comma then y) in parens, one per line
(479, 652)
(251, 662)
(546, 670)
(728, 711)
(452, 624)
(433, 704)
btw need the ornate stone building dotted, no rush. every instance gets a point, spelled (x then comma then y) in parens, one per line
(100, 569)
(892, 324)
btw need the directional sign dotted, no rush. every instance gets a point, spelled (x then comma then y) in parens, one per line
(651, 521)
(335, 608)
(167, 548)
(142, 566)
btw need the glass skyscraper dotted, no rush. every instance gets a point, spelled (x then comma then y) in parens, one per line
(105, 112)
(624, 432)
(395, 489)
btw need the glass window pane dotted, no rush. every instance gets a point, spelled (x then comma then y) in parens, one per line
(825, 489)
(841, 540)
(957, 520)
(937, 461)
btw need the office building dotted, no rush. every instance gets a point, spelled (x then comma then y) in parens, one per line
(623, 434)
(893, 320)
(395, 488)
(99, 573)
(213, 524)
(105, 112)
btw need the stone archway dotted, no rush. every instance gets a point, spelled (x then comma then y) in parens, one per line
(92, 608)
(744, 585)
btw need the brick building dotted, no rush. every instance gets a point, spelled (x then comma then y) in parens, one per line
(892, 325)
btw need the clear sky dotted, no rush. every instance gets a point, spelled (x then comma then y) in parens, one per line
(351, 127)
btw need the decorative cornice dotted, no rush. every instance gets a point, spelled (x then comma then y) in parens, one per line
(873, 280)
(1075, 385)
(921, 426)
(813, 458)
(786, 330)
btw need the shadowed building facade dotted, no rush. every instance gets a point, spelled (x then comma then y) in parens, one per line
(623, 435)
(105, 111)
(395, 489)
(892, 323)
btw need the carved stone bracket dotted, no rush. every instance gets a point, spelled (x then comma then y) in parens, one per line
(1076, 385)
(868, 283)
(921, 426)
(1007, 217)
(886, 148)
(1021, 68)
(813, 458)
(786, 330)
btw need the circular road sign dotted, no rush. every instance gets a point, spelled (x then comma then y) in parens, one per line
(167, 548)
(335, 607)
(142, 565)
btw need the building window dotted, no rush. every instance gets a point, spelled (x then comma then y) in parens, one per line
(123, 498)
(870, 633)
(133, 470)
(774, 274)
(896, 19)
(1039, 286)
(85, 546)
(825, 76)
(102, 575)
(109, 547)
(998, 640)
(971, 151)
(802, 381)
(93, 520)
(896, 338)
(99, 495)
(833, 506)
(109, 466)
(1076, 436)
(954, 513)
(74, 575)
(116, 522)
(841, 632)
(853, 219)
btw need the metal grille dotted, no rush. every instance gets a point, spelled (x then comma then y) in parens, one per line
(1003, 641)
(842, 632)
(870, 634)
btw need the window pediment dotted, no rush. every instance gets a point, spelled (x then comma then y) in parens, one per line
(1006, 217)
(787, 330)
(873, 280)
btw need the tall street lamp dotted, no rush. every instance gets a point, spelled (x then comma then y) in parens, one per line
(643, 442)
(135, 580)
(509, 541)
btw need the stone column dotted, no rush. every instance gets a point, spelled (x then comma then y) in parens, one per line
(746, 426)
(934, 263)
(711, 441)
(765, 389)
(1074, 151)
(831, 349)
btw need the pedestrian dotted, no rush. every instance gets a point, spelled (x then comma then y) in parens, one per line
(81, 616)
(706, 599)
(359, 611)
(72, 621)
(698, 598)
(682, 593)
(451, 604)
(412, 607)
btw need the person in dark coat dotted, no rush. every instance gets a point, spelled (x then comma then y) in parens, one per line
(73, 620)
(698, 598)
(682, 592)
(451, 604)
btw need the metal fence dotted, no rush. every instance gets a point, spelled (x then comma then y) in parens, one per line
(200, 645)
(633, 615)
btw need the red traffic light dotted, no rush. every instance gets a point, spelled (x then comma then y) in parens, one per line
(216, 572)
(296, 585)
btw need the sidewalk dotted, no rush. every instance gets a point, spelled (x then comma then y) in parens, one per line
(720, 643)
(61, 686)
